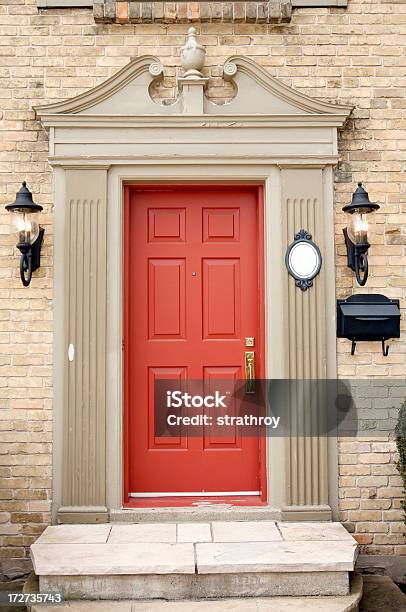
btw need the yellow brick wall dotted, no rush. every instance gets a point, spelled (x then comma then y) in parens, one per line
(355, 55)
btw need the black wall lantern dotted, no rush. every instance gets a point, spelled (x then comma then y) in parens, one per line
(359, 214)
(24, 213)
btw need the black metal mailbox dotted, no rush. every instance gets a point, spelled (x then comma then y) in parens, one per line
(368, 317)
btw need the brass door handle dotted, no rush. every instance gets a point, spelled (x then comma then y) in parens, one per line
(249, 372)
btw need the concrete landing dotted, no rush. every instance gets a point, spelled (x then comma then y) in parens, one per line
(195, 560)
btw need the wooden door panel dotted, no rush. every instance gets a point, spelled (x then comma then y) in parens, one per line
(224, 380)
(221, 298)
(178, 437)
(167, 299)
(221, 224)
(166, 225)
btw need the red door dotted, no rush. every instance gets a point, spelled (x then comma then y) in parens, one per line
(193, 293)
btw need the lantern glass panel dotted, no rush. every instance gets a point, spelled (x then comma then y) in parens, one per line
(24, 223)
(360, 226)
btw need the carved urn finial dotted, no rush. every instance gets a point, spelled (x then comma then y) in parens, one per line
(192, 56)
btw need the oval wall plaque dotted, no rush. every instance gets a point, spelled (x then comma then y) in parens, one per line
(303, 260)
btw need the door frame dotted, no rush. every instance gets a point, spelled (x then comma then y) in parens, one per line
(283, 182)
(129, 502)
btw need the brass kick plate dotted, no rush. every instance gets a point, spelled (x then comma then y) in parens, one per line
(249, 341)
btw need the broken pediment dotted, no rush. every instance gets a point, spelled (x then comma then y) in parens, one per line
(258, 92)
(128, 92)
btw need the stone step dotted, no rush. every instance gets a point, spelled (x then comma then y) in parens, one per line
(195, 560)
(346, 603)
(201, 511)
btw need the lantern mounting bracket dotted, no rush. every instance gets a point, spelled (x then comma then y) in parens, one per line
(357, 258)
(30, 259)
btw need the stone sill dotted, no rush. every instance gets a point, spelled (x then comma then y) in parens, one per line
(122, 11)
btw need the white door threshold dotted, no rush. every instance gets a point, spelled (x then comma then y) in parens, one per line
(197, 494)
